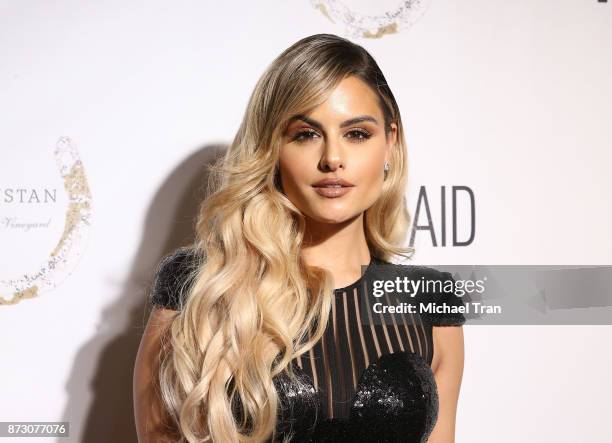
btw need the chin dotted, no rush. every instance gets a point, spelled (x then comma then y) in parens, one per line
(332, 217)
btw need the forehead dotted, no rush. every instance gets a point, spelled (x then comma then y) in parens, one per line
(351, 96)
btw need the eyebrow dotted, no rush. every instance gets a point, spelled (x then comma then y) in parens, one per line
(349, 122)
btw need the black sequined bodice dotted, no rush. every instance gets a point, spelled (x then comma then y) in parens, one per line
(395, 401)
(369, 378)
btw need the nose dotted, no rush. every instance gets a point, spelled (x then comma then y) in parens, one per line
(332, 158)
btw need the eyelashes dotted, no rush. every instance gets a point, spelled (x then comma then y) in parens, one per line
(355, 135)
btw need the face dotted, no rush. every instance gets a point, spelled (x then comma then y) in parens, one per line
(343, 138)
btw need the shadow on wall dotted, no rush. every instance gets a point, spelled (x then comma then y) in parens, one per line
(169, 224)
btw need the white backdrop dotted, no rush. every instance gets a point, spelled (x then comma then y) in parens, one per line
(511, 99)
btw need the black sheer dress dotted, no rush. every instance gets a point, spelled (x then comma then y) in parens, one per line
(369, 378)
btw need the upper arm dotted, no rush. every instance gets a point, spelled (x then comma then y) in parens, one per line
(448, 372)
(448, 361)
(148, 409)
(167, 297)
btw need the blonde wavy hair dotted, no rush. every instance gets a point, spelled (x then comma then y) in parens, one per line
(253, 305)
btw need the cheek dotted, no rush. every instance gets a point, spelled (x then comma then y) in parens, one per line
(292, 171)
(371, 177)
(371, 166)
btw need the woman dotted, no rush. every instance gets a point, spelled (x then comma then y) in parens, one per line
(263, 330)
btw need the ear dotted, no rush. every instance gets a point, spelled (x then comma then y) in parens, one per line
(391, 141)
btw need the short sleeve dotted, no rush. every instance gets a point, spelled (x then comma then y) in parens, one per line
(173, 275)
(447, 308)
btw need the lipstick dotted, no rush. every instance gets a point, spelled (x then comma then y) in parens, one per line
(332, 187)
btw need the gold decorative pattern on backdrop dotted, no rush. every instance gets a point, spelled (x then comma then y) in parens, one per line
(359, 25)
(76, 226)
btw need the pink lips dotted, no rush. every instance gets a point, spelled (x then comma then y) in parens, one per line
(332, 187)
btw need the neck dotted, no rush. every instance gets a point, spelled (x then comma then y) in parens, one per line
(341, 248)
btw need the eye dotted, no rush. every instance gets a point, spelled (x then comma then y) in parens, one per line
(304, 136)
(359, 135)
